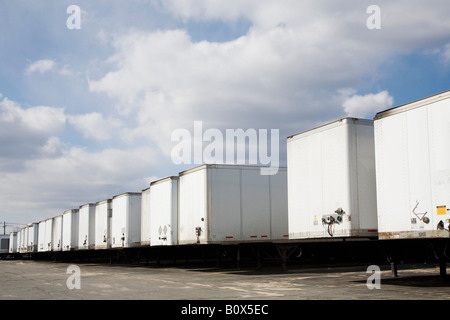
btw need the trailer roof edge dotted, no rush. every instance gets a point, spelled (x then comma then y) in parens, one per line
(413, 105)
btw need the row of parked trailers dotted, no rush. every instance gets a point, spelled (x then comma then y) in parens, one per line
(204, 205)
(386, 178)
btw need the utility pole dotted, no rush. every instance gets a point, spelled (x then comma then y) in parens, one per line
(5, 224)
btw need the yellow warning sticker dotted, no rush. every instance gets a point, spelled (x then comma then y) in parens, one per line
(441, 210)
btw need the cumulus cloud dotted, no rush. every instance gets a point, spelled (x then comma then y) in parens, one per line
(224, 10)
(41, 173)
(41, 66)
(445, 54)
(287, 71)
(23, 131)
(53, 146)
(47, 65)
(48, 186)
(365, 106)
(94, 126)
(168, 80)
(290, 64)
(40, 120)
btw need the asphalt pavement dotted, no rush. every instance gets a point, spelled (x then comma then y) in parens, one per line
(44, 280)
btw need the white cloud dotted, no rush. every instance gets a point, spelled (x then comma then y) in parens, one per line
(365, 106)
(23, 131)
(41, 66)
(53, 146)
(288, 71)
(65, 71)
(445, 54)
(48, 120)
(48, 186)
(95, 126)
(40, 173)
(169, 81)
(48, 65)
(291, 63)
(40, 120)
(227, 10)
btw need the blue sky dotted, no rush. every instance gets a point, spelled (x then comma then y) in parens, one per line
(87, 114)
